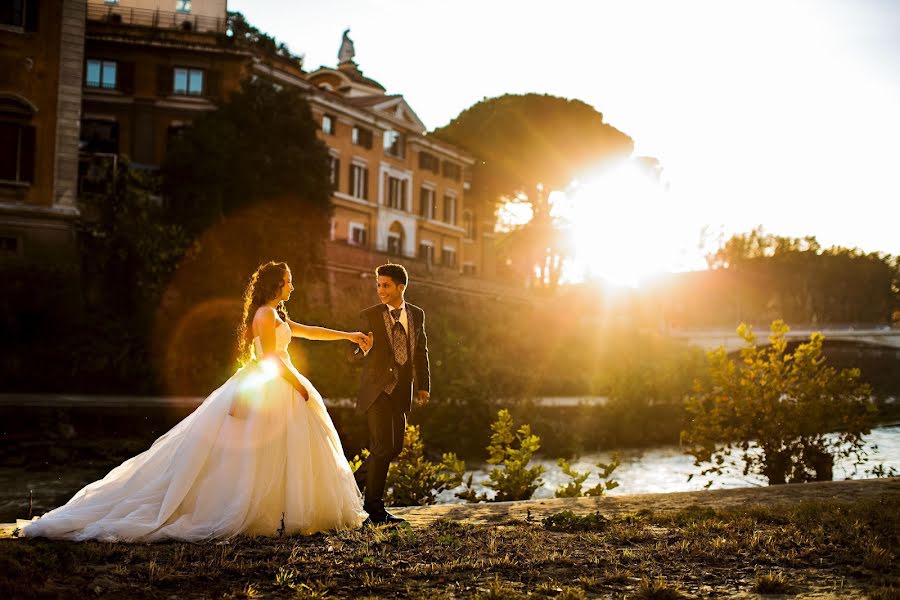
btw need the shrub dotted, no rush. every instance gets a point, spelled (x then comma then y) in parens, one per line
(512, 450)
(415, 480)
(774, 411)
(573, 489)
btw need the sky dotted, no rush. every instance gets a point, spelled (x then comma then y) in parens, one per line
(784, 114)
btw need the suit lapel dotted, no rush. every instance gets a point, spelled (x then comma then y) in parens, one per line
(387, 322)
(412, 332)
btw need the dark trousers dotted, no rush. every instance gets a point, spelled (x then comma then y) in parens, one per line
(387, 422)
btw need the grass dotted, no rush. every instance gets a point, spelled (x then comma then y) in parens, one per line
(816, 547)
(771, 583)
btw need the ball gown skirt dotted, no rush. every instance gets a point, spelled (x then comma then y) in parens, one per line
(254, 459)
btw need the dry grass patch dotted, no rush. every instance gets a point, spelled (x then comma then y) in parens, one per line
(702, 552)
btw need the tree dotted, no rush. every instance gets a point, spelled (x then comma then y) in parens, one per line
(784, 415)
(125, 237)
(797, 280)
(259, 148)
(245, 34)
(527, 146)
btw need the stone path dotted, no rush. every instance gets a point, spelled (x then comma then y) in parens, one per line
(494, 512)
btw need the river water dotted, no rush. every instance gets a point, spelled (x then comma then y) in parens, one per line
(655, 470)
(667, 469)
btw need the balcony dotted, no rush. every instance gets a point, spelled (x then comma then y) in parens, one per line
(116, 14)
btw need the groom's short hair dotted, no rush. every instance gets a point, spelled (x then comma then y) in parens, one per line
(394, 271)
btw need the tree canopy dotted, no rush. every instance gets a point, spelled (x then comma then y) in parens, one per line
(259, 148)
(529, 145)
(521, 141)
(808, 283)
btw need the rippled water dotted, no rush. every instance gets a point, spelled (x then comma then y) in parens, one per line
(666, 469)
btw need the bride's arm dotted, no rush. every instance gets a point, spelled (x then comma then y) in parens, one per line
(314, 332)
(264, 320)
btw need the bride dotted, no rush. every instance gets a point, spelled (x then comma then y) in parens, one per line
(260, 456)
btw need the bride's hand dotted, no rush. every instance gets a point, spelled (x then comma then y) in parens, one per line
(357, 337)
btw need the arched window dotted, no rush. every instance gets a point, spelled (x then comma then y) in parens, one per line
(395, 239)
(17, 140)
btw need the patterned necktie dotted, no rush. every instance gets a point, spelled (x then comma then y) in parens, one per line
(398, 338)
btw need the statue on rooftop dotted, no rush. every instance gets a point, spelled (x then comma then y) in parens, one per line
(346, 53)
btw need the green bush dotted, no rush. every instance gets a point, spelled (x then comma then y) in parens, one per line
(414, 480)
(568, 522)
(773, 412)
(511, 450)
(573, 489)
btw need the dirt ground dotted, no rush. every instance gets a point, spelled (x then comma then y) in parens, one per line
(825, 540)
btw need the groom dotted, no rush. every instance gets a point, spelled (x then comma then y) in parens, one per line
(395, 363)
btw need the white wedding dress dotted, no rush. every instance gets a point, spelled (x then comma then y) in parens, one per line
(277, 466)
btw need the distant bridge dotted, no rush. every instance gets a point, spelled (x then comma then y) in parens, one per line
(710, 339)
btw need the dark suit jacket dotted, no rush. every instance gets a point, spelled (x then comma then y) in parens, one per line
(379, 366)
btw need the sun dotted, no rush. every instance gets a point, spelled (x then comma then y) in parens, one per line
(621, 228)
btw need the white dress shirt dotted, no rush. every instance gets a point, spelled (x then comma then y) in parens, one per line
(404, 319)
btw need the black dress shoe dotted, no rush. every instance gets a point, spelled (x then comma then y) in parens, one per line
(384, 518)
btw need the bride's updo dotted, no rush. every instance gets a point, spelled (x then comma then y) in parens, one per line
(264, 286)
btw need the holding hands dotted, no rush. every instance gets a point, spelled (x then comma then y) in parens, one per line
(364, 341)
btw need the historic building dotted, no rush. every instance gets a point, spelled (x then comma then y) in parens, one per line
(84, 84)
(397, 191)
(41, 48)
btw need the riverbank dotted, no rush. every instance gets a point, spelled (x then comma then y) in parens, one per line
(827, 540)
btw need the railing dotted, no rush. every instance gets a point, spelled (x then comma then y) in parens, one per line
(144, 17)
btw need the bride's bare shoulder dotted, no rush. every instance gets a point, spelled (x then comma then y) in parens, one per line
(265, 315)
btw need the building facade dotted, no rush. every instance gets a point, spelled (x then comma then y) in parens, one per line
(88, 83)
(398, 192)
(41, 50)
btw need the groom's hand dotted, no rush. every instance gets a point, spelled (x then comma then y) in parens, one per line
(422, 397)
(367, 342)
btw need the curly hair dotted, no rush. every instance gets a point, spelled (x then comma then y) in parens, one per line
(264, 286)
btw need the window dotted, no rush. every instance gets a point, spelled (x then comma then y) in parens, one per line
(429, 162)
(426, 203)
(426, 252)
(357, 235)
(99, 136)
(469, 225)
(396, 193)
(111, 2)
(359, 182)
(450, 209)
(174, 132)
(452, 171)
(100, 74)
(17, 13)
(9, 246)
(394, 143)
(328, 124)
(16, 152)
(393, 243)
(188, 82)
(448, 258)
(183, 6)
(335, 167)
(361, 136)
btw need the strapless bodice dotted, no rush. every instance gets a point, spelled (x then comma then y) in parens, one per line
(282, 339)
